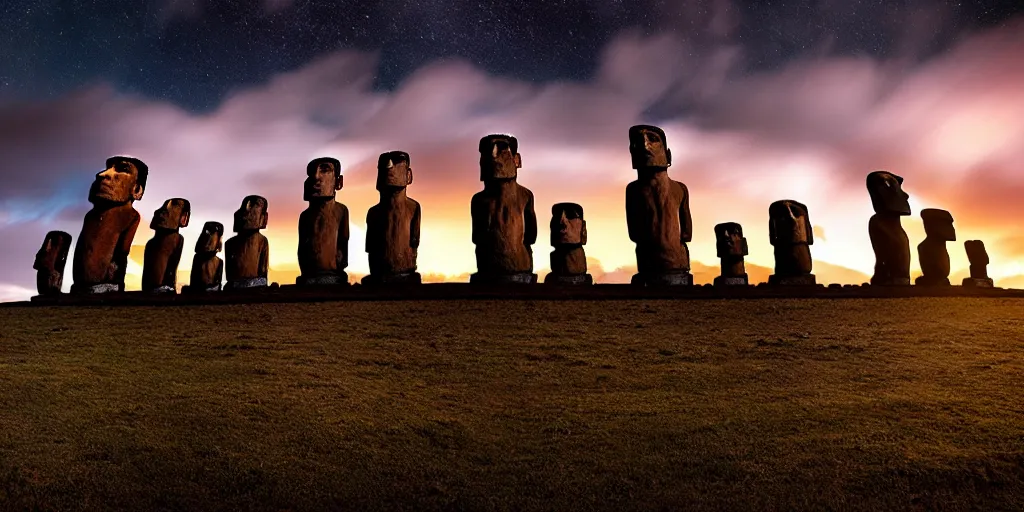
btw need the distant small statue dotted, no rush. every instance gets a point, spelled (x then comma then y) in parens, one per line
(101, 255)
(393, 224)
(503, 216)
(790, 232)
(732, 247)
(207, 269)
(50, 262)
(657, 212)
(248, 252)
(568, 236)
(888, 239)
(938, 228)
(323, 226)
(163, 252)
(978, 257)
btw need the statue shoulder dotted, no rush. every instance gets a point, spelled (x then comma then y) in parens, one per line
(413, 204)
(525, 192)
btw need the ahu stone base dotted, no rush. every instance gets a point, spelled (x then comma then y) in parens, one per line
(932, 281)
(807, 280)
(389, 279)
(520, 278)
(666, 279)
(338, 279)
(974, 282)
(732, 281)
(569, 280)
(896, 281)
(245, 284)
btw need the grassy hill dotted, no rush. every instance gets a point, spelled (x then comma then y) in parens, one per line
(721, 404)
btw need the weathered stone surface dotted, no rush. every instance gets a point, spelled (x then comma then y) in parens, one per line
(101, 255)
(670, 278)
(50, 262)
(163, 252)
(932, 253)
(791, 234)
(503, 216)
(248, 252)
(657, 211)
(978, 257)
(393, 224)
(568, 236)
(323, 226)
(207, 269)
(731, 247)
(888, 239)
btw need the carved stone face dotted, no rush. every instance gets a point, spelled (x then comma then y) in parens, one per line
(252, 215)
(210, 238)
(323, 179)
(887, 195)
(938, 224)
(119, 183)
(173, 214)
(53, 254)
(789, 223)
(499, 157)
(393, 170)
(976, 252)
(729, 240)
(648, 147)
(567, 225)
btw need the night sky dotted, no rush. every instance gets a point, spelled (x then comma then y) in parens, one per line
(761, 100)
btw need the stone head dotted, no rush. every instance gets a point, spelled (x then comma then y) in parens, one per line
(210, 238)
(938, 224)
(729, 240)
(122, 181)
(789, 223)
(887, 195)
(567, 225)
(323, 179)
(54, 252)
(499, 157)
(648, 147)
(174, 214)
(252, 215)
(394, 170)
(976, 252)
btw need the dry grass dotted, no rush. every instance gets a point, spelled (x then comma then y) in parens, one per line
(781, 404)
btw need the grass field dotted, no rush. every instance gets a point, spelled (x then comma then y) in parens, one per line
(721, 404)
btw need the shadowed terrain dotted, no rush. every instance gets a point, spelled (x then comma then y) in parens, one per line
(791, 403)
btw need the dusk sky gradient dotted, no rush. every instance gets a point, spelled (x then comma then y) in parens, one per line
(793, 100)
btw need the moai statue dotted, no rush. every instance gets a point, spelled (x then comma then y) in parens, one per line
(248, 252)
(568, 236)
(207, 268)
(657, 212)
(163, 252)
(50, 262)
(393, 224)
(101, 255)
(732, 247)
(889, 241)
(978, 257)
(938, 228)
(790, 232)
(323, 226)
(504, 221)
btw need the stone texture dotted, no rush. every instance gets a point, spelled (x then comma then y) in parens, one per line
(568, 236)
(888, 239)
(731, 247)
(503, 217)
(323, 226)
(50, 262)
(247, 254)
(932, 253)
(207, 269)
(101, 255)
(393, 224)
(791, 235)
(163, 252)
(978, 257)
(657, 211)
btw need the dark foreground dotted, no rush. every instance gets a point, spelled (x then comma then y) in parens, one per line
(786, 404)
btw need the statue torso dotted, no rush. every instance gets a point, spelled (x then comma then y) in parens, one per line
(319, 227)
(104, 233)
(247, 255)
(161, 259)
(502, 245)
(655, 214)
(390, 228)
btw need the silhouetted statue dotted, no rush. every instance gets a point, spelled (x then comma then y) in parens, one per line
(504, 221)
(323, 226)
(978, 257)
(393, 224)
(657, 212)
(207, 269)
(568, 236)
(163, 252)
(938, 228)
(732, 247)
(50, 262)
(101, 255)
(889, 241)
(248, 252)
(790, 232)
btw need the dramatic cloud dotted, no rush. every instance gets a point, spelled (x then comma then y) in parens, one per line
(810, 131)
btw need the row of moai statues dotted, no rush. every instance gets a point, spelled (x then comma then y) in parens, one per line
(504, 229)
